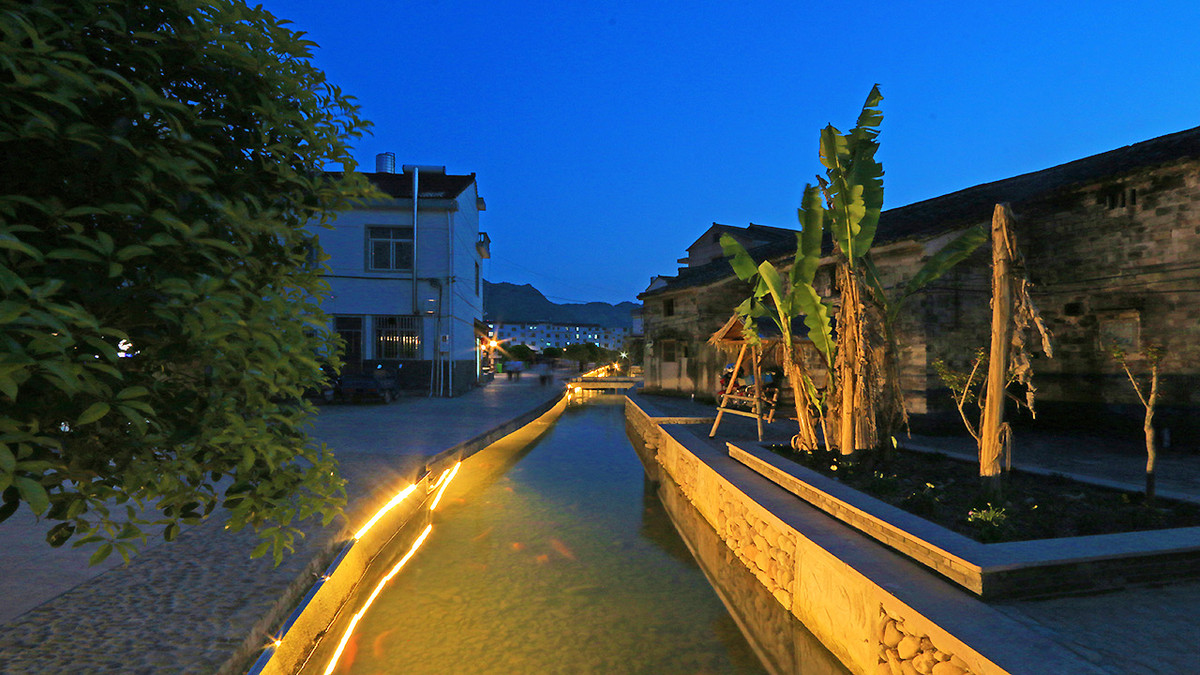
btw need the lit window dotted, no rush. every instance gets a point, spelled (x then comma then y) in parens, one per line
(389, 248)
(397, 337)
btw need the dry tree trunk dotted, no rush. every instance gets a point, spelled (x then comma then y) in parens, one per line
(990, 430)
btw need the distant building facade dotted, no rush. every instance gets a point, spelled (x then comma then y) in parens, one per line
(539, 335)
(405, 277)
(1111, 243)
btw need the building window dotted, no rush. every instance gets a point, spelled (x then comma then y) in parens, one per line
(669, 307)
(668, 351)
(350, 329)
(397, 337)
(1121, 329)
(477, 280)
(389, 248)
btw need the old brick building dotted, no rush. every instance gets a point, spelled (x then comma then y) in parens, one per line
(1112, 244)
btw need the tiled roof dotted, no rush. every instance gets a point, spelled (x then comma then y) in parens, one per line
(974, 204)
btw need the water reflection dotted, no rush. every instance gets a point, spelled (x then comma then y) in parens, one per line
(781, 641)
(564, 562)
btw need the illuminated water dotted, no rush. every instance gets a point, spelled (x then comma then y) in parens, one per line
(558, 557)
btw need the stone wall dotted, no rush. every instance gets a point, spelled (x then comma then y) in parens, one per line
(697, 314)
(835, 602)
(1117, 259)
(902, 650)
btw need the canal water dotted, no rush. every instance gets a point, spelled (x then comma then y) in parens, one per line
(560, 556)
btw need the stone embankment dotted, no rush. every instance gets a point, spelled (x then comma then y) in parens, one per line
(902, 652)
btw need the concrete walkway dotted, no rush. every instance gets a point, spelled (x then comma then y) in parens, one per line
(1138, 629)
(189, 606)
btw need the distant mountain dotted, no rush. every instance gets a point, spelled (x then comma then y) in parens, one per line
(509, 303)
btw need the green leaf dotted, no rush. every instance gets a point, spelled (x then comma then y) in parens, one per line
(11, 243)
(132, 392)
(260, 550)
(8, 462)
(941, 262)
(94, 412)
(816, 319)
(101, 553)
(808, 242)
(133, 251)
(33, 494)
(743, 265)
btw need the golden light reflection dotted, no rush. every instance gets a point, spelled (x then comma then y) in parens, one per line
(337, 654)
(395, 501)
(446, 484)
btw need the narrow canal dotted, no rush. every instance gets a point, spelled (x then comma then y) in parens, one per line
(559, 556)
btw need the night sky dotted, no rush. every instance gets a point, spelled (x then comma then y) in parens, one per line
(606, 137)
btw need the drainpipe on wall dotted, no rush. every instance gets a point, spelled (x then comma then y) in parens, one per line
(450, 296)
(416, 305)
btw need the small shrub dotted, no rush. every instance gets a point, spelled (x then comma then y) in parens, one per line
(990, 522)
(923, 502)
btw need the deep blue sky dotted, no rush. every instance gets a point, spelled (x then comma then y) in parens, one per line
(607, 136)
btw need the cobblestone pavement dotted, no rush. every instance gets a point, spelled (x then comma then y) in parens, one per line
(1148, 629)
(188, 606)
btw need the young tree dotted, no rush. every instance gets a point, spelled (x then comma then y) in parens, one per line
(160, 322)
(1149, 399)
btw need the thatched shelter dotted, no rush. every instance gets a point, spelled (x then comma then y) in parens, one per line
(750, 400)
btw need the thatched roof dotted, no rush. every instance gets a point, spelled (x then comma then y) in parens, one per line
(731, 336)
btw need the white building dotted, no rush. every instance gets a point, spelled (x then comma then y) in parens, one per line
(538, 336)
(411, 295)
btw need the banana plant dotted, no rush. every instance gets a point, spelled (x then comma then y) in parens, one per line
(790, 299)
(853, 191)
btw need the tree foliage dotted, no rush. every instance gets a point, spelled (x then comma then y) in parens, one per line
(159, 322)
(860, 356)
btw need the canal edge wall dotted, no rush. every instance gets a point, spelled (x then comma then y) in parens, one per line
(287, 649)
(877, 612)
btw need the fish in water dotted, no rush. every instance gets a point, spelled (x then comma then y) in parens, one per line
(562, 549)
(517, 546)
(481, 535)
(542, 558)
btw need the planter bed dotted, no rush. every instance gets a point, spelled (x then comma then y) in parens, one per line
(1059, 555)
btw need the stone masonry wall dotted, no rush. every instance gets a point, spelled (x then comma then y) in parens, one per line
(1111, 260)
(835, 602)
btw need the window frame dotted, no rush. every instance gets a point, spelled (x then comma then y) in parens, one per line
(395, 235)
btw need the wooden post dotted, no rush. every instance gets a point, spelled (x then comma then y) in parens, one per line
(990, 445)
(756, 358)
(737, 368)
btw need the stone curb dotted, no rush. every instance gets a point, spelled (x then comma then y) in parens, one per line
(290, 646)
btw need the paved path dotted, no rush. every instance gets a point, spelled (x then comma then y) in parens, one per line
(188, 606)
(1150, 630)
